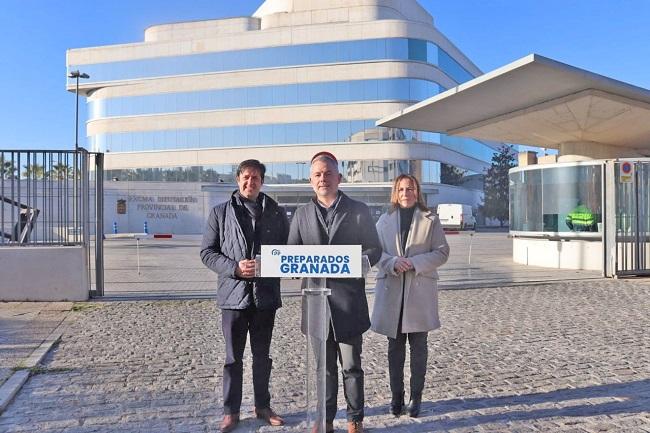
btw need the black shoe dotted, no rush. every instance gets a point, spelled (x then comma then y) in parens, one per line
(397, 404)
(414, 407)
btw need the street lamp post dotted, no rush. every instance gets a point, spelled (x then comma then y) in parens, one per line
(75, 180)
(76, 74)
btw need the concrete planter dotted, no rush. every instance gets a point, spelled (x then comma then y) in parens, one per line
(56, 273)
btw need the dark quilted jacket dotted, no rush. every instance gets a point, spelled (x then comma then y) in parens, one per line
(224, 245)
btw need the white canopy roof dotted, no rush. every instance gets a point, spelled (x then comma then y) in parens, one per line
(540, 102)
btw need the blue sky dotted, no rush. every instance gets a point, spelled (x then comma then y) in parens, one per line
(608, 37)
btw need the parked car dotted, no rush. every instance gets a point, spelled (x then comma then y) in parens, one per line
(456, 216)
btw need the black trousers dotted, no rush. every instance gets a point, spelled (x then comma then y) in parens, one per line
(397, 356)
(236, 325)
(348, 354)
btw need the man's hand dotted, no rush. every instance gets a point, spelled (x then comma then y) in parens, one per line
(245, 269)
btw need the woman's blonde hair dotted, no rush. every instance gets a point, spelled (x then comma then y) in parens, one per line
(394, 195)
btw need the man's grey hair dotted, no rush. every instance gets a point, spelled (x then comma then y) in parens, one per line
(328, 160)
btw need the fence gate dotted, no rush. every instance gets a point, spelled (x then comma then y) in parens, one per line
(54, 198)
(627, 243)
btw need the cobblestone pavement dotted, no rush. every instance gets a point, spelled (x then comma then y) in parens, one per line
(565, 357)
(23, 327)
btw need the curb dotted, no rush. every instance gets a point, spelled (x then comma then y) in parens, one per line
(11, 386)
(39, 353)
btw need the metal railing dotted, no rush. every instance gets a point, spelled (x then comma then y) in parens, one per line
(51, 197)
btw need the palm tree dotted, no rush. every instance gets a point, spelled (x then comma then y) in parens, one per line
(61, 171)
(34, 171)
(7, 169)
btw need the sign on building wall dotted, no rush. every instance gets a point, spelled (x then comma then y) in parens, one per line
(162, 207)
(121, 206)
(177, 208)
(626, 172)
(316, 261)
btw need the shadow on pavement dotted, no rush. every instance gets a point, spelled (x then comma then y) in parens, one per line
(629, 395)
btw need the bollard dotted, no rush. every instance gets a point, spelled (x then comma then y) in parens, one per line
(114, 227)
(469, 257)
(146, 228)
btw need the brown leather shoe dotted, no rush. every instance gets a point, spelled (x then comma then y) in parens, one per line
(229, 422)
(329, 428)
(269, 416)
(355, 426)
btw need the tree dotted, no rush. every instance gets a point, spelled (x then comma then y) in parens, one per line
(34, 171)
(451, 175)
(497, 194)
(61, 171)
(7, 169)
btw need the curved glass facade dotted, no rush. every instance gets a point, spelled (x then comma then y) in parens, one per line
(366, 171)
(279, 134)
(234, 136)
(566, 199)
(275, 57)
(401, 89)
(175, 112)
(254, 129)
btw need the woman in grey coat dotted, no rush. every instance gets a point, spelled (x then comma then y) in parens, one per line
(406, 293)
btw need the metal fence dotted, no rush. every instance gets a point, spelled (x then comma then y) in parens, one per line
(627, 242)
(51, 197)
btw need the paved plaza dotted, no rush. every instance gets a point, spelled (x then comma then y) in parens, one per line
(560, 357)
(173, 268)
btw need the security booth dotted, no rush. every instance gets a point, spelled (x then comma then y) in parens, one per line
(583, 215)
(586, 207)
(556, 215)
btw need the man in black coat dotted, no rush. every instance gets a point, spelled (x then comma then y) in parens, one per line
(233, 235)
(332, 218)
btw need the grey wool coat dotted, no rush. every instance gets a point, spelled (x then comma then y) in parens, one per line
(352, 225)
(427, 248)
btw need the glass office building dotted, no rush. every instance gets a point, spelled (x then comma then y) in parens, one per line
(195, 98)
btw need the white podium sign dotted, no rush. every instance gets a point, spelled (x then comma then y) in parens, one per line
(311, 261)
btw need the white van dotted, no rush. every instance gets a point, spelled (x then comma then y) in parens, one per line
(456, 216)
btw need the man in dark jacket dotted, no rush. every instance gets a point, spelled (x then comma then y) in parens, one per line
(233, 235)
(332, 218)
